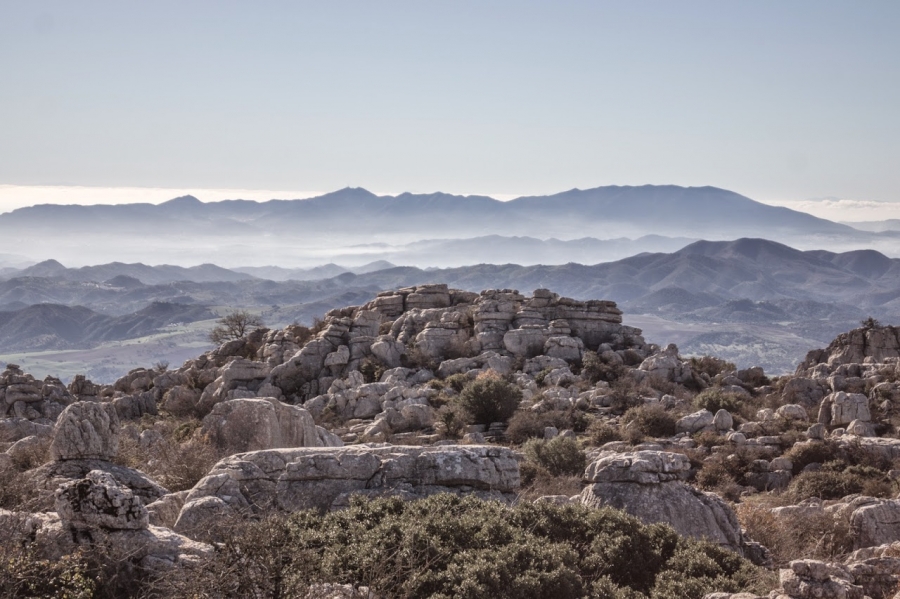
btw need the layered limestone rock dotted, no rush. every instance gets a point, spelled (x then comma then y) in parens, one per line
(649, 485)
(324, 479)
(240, 425)
(868, 344)
(24, 397)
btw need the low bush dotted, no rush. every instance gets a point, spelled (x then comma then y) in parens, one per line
(651, 420)
(600, 433)
(802, 455)
(25, 574)
(594, 369)
(371, 369)
(836, 480)
(457, 382)
(715, 399)
(711, 366)
(810, 535)
(559, 456)
(625, 394)
(447, 546)
(489, 399)
(177, 459)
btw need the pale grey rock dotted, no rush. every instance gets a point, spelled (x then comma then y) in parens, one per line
(695, 422)
(99, 501)
(644, 467)
(318, 478)
(816, 431)
(690, 512)
(86, 430)
(525, 342)
(792, 412)
(388, 351)
(164, 511)
(875, 524)
(13, 429)
(51, 475)
(253, 424)
(812, 579)
(847, 407)
(23, 450)
(566, 348)
(861, 429)
(723, 421)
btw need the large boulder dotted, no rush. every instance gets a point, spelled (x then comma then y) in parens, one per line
(648, 485)
(99, 501)
(265, 423)
(875, 524)
(86, 430)
(847, 407)
(323, 478)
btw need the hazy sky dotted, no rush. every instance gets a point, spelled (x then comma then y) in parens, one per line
(780, 101)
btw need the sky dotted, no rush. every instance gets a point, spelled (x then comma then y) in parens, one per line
(793, 103)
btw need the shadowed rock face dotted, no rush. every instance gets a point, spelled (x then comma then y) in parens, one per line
(647, 484)
(324, 478)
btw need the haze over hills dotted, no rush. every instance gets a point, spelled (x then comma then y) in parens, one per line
(747, 295)
(354, 227)
(54, 326)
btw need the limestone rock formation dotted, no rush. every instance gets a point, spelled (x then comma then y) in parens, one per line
(323, 478)
(240, 425)
(99, 501)
(648, 485)
(86, 430)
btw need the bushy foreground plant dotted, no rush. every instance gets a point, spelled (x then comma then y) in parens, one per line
(447, 546)
(559, 456)
(489, 399)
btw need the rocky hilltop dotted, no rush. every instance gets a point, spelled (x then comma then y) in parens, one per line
(527, 406)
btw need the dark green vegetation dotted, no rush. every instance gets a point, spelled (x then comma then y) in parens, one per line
(446, 546)
(440, 547)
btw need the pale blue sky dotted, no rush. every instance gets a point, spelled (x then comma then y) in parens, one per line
(777, 100)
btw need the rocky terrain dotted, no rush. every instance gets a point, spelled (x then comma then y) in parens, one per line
(498, 400)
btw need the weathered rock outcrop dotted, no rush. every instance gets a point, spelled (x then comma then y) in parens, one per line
(648, 485)
(240, 425)
(868, 344)
(86, 430)
(324, 478)
(99, 501)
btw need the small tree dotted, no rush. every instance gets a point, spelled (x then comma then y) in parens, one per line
(490, 399)
(235, 325)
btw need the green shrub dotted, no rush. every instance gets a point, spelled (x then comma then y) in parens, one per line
(651, 420)
(457, 382)
(594, 369)
(836, 480)
(600, 433)
(448, 546)
(802, 455)
(625, 394)
(371, 369)
(710, 365)
(490, 399)
(25, 574)
(559, 456)
(715, 399)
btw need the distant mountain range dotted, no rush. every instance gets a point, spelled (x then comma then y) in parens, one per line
(354, 227)
(786, 299)
(52, 326)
